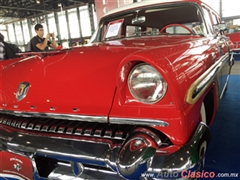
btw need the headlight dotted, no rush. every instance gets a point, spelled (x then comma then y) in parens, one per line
(146, 84)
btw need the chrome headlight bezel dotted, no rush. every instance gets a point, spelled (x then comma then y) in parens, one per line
(144, 80)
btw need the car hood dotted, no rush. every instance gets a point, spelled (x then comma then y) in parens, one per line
(81, 80)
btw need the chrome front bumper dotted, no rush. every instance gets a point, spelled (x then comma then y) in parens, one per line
(68, 157)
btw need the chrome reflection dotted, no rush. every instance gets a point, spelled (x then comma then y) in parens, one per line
(103, 153)
(22, 90)
(150, 133)
(56, 116)
(63, 172)
(146, 84)
(148, 122)
(77, 168)
(185, 158)
(204, 81)
(135, 155)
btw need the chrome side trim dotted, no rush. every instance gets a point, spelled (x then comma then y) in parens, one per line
(203, 82)
(135, 121)
(22, 60)
(75, 117)
(225, 87)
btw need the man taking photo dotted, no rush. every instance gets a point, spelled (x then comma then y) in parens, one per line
(38, 43)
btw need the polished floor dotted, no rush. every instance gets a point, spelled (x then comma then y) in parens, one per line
(223, 154)
(236, 68)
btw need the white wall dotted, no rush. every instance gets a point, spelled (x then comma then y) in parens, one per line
(215, 4)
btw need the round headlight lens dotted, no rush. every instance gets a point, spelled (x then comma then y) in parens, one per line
(146, 84)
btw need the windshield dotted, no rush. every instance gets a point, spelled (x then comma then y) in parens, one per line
(174, 19)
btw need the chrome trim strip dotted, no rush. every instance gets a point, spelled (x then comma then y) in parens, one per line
(225, 87)
(100, 119)
(64, 172)
(203, 82)
(22, 60)
(135, 121)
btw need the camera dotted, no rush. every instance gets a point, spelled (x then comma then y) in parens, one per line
(51, 34)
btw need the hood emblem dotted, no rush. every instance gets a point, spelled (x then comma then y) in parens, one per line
(17, 167)
(22, 90)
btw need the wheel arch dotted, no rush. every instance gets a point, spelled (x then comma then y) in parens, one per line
(211, 104)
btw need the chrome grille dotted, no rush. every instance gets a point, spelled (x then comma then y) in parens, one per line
(50, 125)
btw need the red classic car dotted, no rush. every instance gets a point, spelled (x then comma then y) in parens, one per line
(136, 103)
(234, 34)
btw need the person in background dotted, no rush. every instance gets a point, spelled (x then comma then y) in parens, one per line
(8, 50)
(2, 49)
(39, 43)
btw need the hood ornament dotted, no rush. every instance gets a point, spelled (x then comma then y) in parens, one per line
(22, 90)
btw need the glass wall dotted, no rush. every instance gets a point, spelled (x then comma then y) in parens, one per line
(73, 23)
(236, 21)
(32, 24)
(20, 32)
(11, 33)
(3, 30)
(62, 25)
(26, 33)
(215, 4)
(230, 8)
(52, 24)
(94, 17)
(85, 21)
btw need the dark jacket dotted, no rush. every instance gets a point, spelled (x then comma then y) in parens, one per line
(11, 50)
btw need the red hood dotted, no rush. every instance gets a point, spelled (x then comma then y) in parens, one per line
(81, 81)
(82, 78)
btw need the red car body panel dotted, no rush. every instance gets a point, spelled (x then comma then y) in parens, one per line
(15, 166)
(235, 38)
(55, 76)
(77, 103)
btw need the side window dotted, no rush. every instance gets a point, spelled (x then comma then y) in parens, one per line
(215, 19)
(208, 19)
(196, 28)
